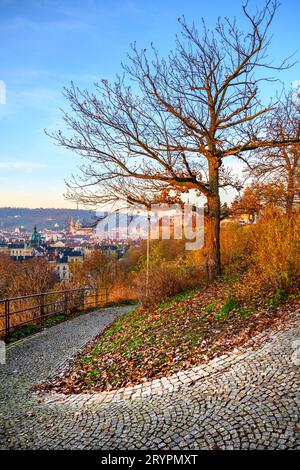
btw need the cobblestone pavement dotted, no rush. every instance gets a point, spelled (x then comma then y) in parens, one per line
(247, 400)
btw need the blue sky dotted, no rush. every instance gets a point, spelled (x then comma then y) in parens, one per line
(47, 43)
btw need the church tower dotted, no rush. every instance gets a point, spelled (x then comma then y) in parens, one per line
(35, 239)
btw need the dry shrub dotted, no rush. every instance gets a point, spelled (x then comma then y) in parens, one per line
(268, 250)
(122, 292)
(272, 249)
(166, 280)
(236, 246)
(123, 289)
(276, 251)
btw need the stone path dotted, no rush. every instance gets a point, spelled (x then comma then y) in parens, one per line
(247, 400)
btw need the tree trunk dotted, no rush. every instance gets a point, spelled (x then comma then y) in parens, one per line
(212, 226)
(290, 194)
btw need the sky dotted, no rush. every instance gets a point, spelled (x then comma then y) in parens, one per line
(44, 44)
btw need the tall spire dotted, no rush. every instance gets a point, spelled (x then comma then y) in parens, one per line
(35, 239)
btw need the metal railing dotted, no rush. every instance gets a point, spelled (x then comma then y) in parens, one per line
(34, 309)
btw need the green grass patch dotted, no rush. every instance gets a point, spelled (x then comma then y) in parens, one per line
(25, 331)
(280, 296)
(169, 302)
(229, 277)
(211, 307)
(54, 320)
(228, 306)
(245, 311)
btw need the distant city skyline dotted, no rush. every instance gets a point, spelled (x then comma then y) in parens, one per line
(47, 43)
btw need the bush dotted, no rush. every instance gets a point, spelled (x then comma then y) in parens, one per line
(273, 258)
(276, 251)
(167, 280)
(121, 292)
(236, 247)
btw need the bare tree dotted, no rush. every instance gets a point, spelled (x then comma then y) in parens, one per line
(282, 164)
(179, 119)
(30, 277)
(96, 270)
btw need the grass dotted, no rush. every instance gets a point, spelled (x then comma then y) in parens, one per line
(25, 331)
(211, 307)
(228, 306)
(166, 303)
(54, 320)
(245, 311)
(280, 296)
(179, 333)
(31, 329)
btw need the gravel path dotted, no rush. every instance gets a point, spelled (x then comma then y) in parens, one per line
(253, 403)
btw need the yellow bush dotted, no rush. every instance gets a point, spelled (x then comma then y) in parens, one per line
(276, 251)
(236, 246)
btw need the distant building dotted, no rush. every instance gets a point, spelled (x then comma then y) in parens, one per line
(20, 251)
(59, 248)
(63, 270)
(3, 247)
(35, 239)
(63, 263)
(23, 250)
(58, 244)
(76, 229)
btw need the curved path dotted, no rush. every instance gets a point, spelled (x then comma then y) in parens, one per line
(247, 400)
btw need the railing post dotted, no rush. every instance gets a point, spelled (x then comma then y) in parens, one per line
(106, 295)
(66, 304)
(42, 307)
(7, 319)
(83, 299)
